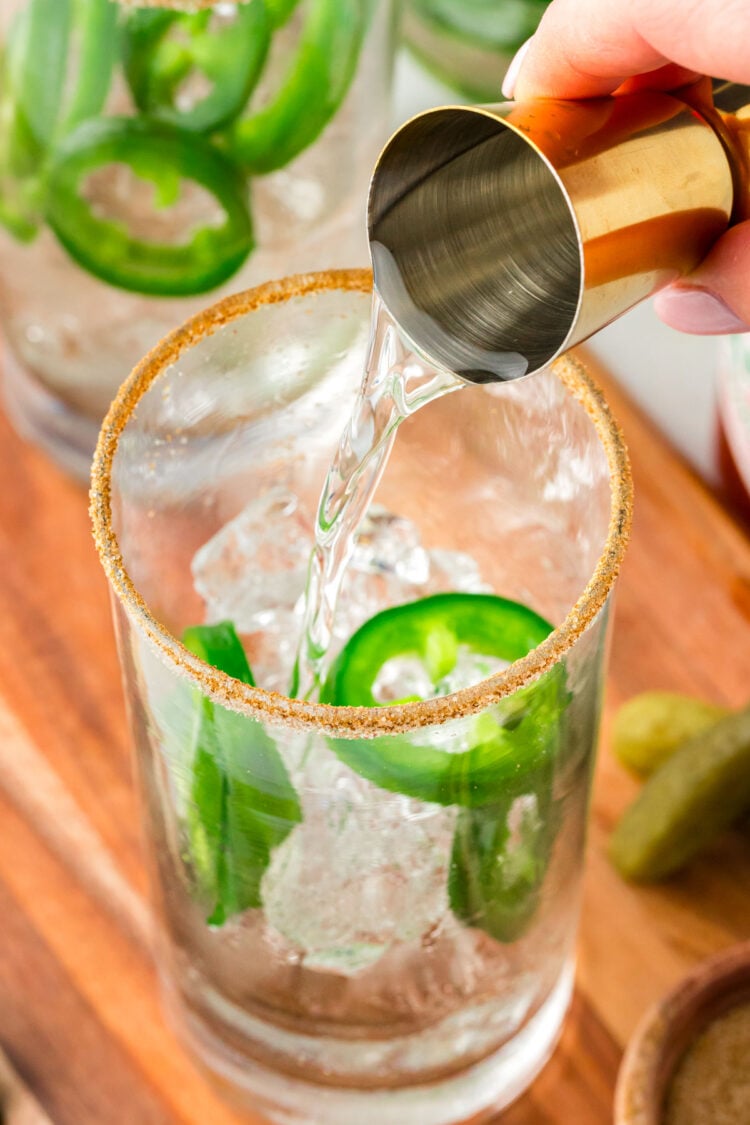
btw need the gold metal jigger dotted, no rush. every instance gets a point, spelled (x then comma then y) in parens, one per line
(502, 235)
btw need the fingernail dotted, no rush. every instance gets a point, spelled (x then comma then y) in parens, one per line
(690, 309)
(511, 74)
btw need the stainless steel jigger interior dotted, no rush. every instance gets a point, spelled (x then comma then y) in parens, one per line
(503, 235)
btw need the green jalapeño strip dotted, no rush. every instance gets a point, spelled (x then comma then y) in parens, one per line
(312, 91)
(499, 860)
(502, 784)
(242, 804)
(192, 77)
(40, 102)
(33, 80)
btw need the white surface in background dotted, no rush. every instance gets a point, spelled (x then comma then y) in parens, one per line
(415, 90)
(669, 374)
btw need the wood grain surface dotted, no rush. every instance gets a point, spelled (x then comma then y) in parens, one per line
(19, 1106)
(79, 1013)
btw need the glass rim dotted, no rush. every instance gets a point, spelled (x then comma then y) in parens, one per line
(351, 722)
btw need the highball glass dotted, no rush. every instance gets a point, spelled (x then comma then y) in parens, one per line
(399, 945)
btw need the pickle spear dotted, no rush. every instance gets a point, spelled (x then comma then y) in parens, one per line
(697, 793)
(651, 726)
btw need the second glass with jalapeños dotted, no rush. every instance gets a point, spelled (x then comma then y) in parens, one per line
(150, 155)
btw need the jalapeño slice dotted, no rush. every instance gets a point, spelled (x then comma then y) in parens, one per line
(165, 156)
(163, 51)
(511, 740)
(432, 629)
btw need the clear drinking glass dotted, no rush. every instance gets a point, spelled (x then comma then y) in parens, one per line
(152, 153)
(469, 43)
(394, 941)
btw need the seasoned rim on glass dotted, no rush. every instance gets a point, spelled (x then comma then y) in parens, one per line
(355, 722)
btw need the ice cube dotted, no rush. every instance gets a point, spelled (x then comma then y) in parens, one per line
(253, 572)
(406, 675)
(365, 869)
(390, 545)
(400, 678)
(257, 562)
(389, 567)
(455, 571)
(470, 668)
(272, 644)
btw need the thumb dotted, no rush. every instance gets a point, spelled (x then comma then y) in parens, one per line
(715, 298)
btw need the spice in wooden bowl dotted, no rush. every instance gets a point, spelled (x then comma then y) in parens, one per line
(688, 1062)
(711, 1085)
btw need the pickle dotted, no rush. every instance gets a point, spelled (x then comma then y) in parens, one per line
(651, 726)
(697, 793)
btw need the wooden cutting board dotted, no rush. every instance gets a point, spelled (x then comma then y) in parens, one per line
(17, 1106)
(79, 1014)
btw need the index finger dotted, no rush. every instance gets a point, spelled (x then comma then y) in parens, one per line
(584, 48)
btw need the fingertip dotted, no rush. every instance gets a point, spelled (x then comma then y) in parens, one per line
(698, 311)
(513, 71)
(715, 298)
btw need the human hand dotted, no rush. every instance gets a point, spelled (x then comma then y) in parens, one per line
(585, 48)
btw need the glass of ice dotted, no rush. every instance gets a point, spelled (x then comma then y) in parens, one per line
(153, 152)
(367, 913)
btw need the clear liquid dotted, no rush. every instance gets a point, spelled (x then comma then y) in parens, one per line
(396, 384)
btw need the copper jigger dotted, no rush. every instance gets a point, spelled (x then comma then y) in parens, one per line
(502, 235)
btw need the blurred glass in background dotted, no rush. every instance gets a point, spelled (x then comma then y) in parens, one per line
(468, 44)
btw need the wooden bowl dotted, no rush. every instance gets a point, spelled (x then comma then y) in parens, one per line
(661, 1039)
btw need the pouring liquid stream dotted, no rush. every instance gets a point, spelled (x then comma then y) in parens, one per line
(396, 384)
